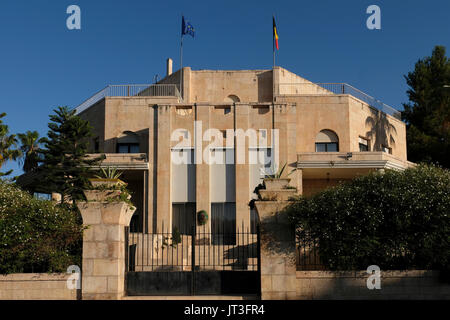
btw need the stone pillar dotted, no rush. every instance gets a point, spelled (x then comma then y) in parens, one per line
(164, 167)
(242, 170)
(277, 254)
(202, 172)
(299, 176)
(103, 271)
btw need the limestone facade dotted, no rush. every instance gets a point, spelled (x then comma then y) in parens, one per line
(239, 99)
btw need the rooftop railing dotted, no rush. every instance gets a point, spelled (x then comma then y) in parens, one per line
(131, 90)
(337, 88)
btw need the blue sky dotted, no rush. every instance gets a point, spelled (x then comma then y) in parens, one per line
(44, 65)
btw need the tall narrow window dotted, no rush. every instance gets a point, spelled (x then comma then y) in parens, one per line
(363, 144)
(327, 141)
(261, 163)
(223, 223)
(183, 190)
(223, 196)
(183, 217)
(222, 175)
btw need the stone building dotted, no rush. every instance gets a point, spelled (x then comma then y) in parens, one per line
(324, 133)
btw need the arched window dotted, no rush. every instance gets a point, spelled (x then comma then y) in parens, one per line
(128, 142)
(232, 98)
(327, 141)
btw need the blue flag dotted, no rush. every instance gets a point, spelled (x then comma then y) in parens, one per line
(186, 28)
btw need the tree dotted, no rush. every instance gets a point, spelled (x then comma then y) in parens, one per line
(30, 143)
(37, 235)
(427, 115)
(65, 163)
(397, 220)
(7, 145)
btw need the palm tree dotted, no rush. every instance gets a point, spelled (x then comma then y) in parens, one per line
(7, 144)
(30, 143)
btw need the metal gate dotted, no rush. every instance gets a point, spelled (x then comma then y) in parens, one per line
(200, 263)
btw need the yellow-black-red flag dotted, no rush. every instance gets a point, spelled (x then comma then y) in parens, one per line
(275, 34)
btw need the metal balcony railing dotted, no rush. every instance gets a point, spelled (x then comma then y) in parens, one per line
(337, 88)
(131, 90)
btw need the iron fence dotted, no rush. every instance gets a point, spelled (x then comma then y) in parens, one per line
(337, 88)
(308, 258)
(202, 250)
(131, 90)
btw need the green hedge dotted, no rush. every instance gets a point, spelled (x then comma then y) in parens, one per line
(396, 220)
(36, 235)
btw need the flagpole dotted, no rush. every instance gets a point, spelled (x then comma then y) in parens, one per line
(273, 41)
(181, 68)
(273, 48)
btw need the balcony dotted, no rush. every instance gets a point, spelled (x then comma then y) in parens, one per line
(350, 160)
(309, 88)
(131, 90)
(123, 161)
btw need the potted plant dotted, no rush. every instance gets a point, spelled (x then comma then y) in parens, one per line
(276, 181)
(202, 217)
(108, 187)
(108, 177)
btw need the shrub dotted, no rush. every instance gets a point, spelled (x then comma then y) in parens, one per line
(396, 220)
(36, 235)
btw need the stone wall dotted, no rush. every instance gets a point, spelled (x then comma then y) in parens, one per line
(281, 281)
(352, 285)
(36, 286)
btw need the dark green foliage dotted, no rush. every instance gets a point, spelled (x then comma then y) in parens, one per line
(30, 143)
(396, 220)
(176, 237)
(124, 195)
(65, 164)
(428, 113)
(7, 145)
(36, 235)
(202, 217)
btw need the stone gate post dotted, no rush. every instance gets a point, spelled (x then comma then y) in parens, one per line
(277, 243)
(103, 268)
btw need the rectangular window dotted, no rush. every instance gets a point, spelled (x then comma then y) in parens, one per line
(134, 148)
(183, 217)
(222, 175)
(223, 223)
(128, 148)
(327, 147)
(261, 163)
(363, 144)
(183, 184)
